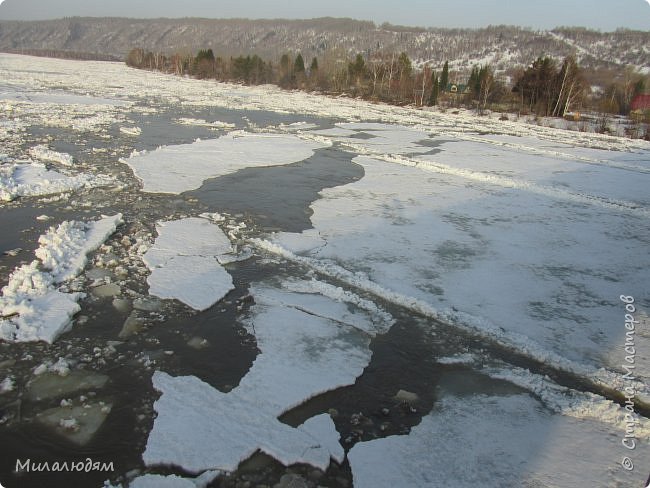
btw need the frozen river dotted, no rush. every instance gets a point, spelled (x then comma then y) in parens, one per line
(217, 285)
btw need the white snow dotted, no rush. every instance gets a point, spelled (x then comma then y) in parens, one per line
(44, 153)
(7, 385)
(173, 481)
(176, 169)
(131, 131)
(495, 441)
(309, 344)
(31, 307)
(25, 179)
(184, 262)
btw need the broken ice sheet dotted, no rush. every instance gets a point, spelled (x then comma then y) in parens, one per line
(184, 262)
(26, 179)
(378, 138)
(176, 169)
(540, 273)
(31, 307)
(494, 441)
(310, 343)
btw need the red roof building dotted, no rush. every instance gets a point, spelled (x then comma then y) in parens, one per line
(640, 102)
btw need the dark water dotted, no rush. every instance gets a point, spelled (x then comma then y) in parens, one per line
(278, 198)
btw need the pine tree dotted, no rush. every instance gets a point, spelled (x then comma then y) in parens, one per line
(435, 89)
(313, 68)
(444, 76)
(299, 65)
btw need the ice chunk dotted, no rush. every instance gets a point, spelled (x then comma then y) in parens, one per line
(107, 290)
(176, 169)
(34, 179)
(131, 131)
(309, 344)
(322, 427)
(44, 153)
(6, 385)
(52, 385)
(184, 262)
(132, 325)
(31, 307)
(492, 447)
(173, 481)
(78, 424)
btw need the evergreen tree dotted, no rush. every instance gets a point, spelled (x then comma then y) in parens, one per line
(444, 76)
(299, 65)
(357, 69)
(435, 89)
(313, 68)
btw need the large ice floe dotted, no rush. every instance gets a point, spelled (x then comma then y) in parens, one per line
(312, 337)
(26, 179)
(31, 306)
(184, 262)
(539, 271)
(176, 169)
(494, 442)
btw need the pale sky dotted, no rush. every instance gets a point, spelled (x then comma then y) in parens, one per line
(597, 14)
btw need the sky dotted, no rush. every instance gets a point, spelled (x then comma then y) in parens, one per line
(604, 15)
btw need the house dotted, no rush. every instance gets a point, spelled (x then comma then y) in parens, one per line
(457, 88)
(640, 103)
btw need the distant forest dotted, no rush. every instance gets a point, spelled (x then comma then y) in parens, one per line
(547, 87)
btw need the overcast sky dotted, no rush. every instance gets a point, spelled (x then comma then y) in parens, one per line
(597, 14)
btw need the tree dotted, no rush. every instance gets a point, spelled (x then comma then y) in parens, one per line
(285, 71)
(313, 67)
(357, 69)
(299, 65)
(535, 85)
(444, 76)
(135, 58)
(404, 70)
(203, 65)
(435, 89)
(569, 87)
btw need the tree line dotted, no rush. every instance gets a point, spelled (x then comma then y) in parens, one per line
(545, 88)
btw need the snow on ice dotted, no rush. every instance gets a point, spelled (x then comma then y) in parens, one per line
(494, 441)
(310, 343)
(176, 169)
(538, 273)
(26, 179)
(44, 153)
(184, 262)
(31, 307)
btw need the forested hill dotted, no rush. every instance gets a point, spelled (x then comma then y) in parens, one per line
(503, 47)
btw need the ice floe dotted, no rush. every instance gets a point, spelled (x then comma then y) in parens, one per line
(309, 344)
(184, 262)
(25, 179)
(44, 153)
(537, 273)
(31, 306)
(176, 169)
(494, 441)
(78, 423)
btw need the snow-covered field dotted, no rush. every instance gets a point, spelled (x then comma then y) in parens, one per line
(526, 245)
